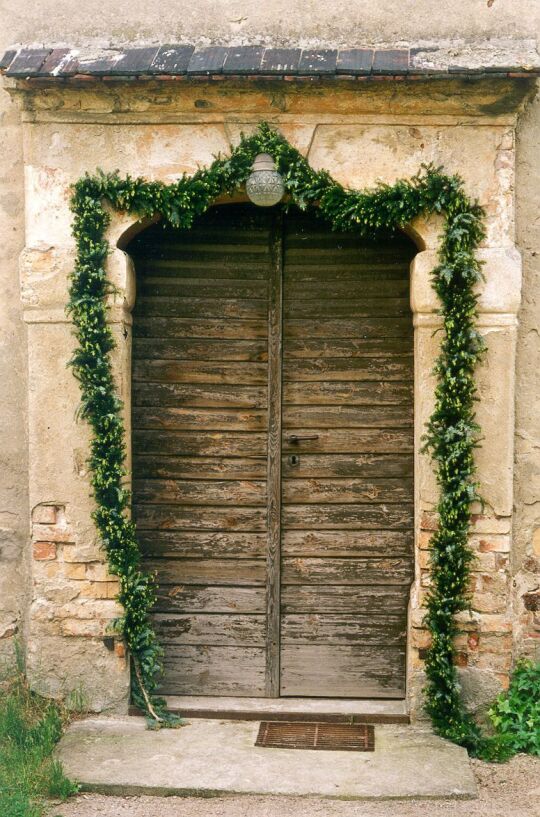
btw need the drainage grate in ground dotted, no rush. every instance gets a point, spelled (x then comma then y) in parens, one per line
(358, 737)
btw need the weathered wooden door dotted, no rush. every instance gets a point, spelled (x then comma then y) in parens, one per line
(272, 454)
(347, 515)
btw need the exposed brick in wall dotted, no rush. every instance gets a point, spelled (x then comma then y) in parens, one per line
(71, 595)
(484, 639)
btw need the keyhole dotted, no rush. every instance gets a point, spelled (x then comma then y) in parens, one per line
(294, 459)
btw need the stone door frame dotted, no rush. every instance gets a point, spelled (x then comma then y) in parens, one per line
(72, 595)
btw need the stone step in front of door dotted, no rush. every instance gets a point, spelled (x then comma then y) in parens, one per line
(213, 758)
(288, 709)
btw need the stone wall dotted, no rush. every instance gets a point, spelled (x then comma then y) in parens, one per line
(69, 130)
(14, 516)
(525, 558)
(50, 563)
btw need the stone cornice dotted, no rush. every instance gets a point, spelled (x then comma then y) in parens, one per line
(205, 99)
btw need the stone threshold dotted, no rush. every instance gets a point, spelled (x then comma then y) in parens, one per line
(218, 758)
(330, 710)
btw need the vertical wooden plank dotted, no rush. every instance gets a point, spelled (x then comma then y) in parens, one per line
(273, 585)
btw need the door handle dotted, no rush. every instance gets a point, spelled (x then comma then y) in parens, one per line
(296, 438)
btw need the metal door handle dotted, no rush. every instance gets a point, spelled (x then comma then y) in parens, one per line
(296, 438)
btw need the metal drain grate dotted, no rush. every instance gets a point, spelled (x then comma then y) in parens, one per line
(358, 737)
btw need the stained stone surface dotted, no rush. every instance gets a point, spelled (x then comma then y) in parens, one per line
(212, 758)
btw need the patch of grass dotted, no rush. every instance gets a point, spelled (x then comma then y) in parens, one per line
(30, 727)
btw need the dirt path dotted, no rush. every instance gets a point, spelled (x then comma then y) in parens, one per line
(509, 790)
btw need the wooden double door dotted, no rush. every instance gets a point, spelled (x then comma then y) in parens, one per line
(273, 453)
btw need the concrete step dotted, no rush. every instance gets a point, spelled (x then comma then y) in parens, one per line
(288, 709)
(208, 758)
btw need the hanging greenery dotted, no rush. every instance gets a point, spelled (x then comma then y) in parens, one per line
(451, 432)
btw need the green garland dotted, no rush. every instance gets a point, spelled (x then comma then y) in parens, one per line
(451, 432)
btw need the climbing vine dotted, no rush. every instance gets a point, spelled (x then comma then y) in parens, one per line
(451, 433)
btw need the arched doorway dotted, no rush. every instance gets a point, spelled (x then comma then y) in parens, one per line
(272, 416)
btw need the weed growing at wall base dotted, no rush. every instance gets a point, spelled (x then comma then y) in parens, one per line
(515, 714)
(451, 435)
(30, 727)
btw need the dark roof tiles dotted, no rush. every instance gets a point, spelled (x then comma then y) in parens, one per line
(245, 59)
(252, 60)
(170, 59)
(318, 62)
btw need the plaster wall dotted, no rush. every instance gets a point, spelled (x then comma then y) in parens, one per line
(276, 21)
(74, 599)
(14, 525)
(526, 539)
(67, 132)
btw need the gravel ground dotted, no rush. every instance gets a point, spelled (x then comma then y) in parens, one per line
(508, 790)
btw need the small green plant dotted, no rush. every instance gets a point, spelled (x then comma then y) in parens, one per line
(30, 727)
(515, 713)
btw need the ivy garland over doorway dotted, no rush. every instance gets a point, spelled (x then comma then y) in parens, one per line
(451, 434)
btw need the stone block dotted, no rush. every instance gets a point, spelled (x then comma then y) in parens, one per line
(85, 663)
(80, 608)
(420, 639)
(121, 273)
(494, 662)
(43, 551)
(484, 602)
(55, 533)
(135, 61)
(531, 601)
(487, 523)
(391, 61)
(44, 514)
(83, 551)
(491, 544)
(77, 572)
(88, 628)
(391, 151)
(501, 643)
(472, 621)
(429, 522)
(499, 290)
(479, 688)
(28, 62)
(536, 542)
(99, 590)
(426, 350)
(98, 572)
(243, 60)
(280, 61)
(496, 583)
(495, 414)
